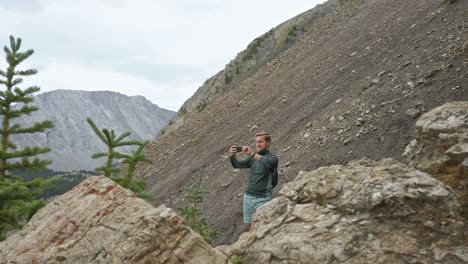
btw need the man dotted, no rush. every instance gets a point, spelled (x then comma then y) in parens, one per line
(262, 164)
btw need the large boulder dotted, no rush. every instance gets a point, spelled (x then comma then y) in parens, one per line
(101, 222)
(364, 212)
(440, 146)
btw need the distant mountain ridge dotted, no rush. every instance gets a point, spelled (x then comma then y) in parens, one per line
(72, 140)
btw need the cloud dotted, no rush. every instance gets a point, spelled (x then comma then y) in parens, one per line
(167, 47)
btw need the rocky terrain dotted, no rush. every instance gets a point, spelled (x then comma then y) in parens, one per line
(351, 85)
(72, 141)
(363, 212)
(441, 147)
(101, 222)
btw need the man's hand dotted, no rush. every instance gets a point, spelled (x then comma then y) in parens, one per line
(247, 151)
(232, 151)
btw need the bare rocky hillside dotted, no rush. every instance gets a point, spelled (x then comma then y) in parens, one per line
(350, 86)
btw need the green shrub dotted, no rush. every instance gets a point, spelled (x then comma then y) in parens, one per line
(194, 216)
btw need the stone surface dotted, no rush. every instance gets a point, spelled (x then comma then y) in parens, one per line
(465, 49)
(100, 222)
(364, 212)
(441, 145)
(72, 141)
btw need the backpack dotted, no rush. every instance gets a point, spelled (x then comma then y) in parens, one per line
(274, 177)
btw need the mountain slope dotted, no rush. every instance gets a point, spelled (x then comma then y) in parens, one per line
(72, 140)
(350, 87)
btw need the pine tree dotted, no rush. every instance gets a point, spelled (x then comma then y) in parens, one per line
(194, 216)
(112, 141)
(136, 186)
(18, 199)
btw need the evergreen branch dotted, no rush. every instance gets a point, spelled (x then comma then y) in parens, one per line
(36, 127)
(18, 44)
(24, 55)
(25, 164)
(13, 44)
(7, 51)
(26, 72)
(96, 130)
(124, 135)
(112, 134)
(27, 152)
(125, 157)
(16, 81)
(21, 98)
(11, 145)
(119, 155)
(31, 90)
(128, 143)
(39, 182)
(26, 109)
(108, 137)
(2, 73)
(99, 155)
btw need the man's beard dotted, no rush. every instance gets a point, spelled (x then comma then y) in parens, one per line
(261, 151)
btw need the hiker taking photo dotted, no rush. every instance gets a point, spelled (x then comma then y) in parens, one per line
(263, 177)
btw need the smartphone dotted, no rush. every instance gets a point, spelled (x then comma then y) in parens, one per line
(239, 148)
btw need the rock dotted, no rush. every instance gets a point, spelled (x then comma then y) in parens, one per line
(381, 73)
(359, 121)
(406, 63)
(364, 212)
(253, 127)
(101, 222)
(465, 49)
(375, 81)
(286, 149)
(413, 113)
(308, 125)
(441, 145)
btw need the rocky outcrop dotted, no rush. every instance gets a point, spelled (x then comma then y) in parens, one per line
(441, 145)
(364, 212)
(72, 141)
(100, 222)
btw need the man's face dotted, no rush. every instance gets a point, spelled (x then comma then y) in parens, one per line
(261, 144)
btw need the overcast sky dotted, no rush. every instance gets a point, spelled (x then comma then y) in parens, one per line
(161, 49)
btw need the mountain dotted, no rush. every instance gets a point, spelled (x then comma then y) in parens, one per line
(72, 141)
(349, 85)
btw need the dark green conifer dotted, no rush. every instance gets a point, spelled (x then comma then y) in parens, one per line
(194, 216)
(136, 186)
(112, 141)
(18, 199)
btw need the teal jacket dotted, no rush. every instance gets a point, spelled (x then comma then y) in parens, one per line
(261, 171)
